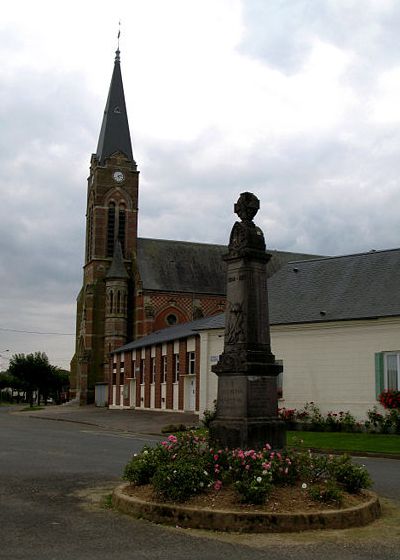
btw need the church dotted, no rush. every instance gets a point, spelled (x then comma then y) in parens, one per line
(134, 286)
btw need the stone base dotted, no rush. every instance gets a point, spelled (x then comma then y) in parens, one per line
(250, 521)
(248, 433)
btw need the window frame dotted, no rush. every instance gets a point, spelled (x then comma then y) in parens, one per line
(191, 363)
(164, 368)
(176, 368)
(385, 370)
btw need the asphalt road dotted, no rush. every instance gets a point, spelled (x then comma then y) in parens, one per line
(54, 477)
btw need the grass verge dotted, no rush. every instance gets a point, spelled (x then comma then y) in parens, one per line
(30, 408)
(346, 442)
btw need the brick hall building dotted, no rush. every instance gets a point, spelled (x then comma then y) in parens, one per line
(134, 286)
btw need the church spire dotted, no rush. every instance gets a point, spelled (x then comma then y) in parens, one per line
(114, 133)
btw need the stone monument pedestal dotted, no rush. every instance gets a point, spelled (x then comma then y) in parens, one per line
(247, 413)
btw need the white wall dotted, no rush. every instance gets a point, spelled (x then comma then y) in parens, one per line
(211, 346)
(332, 364)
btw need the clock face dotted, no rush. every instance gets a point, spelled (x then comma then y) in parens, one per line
(118, 176)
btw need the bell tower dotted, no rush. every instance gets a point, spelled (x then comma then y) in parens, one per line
(111, 225)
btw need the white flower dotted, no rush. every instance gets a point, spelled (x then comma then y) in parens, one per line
(265, 472)
(145, 452)
(259, 479)
(174, 472)
(201, 484)
(206, 473)
(304, 485)
(135, 454)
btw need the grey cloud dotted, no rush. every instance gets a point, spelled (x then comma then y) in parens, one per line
(280, 32)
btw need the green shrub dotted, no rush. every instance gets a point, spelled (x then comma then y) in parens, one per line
(142, 467)
(394, 415)
(326, 492)
(253, 489)
(314, 468)
(314, 415)
(383, 423)
(179, 480)
(352, 477)
(348, 422)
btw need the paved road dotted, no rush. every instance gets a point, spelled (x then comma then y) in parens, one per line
(53, 474)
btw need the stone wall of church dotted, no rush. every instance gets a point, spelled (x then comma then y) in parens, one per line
(158, 310)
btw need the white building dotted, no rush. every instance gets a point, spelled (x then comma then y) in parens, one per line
(335, 325)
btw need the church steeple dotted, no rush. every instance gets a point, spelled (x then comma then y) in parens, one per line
(114, 133)
(111, 215)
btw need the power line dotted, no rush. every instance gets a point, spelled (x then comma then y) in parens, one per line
(37, 332)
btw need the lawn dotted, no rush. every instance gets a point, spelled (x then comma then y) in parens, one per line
(337, 441)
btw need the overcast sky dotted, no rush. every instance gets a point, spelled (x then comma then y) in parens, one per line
(296, 101)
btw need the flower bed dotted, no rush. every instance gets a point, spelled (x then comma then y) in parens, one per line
(186, 466)
(310, 417)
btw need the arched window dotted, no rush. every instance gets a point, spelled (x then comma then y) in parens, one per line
(110, 229)
(121, 227)
(118, 301)
(111, 301)
(89, 239)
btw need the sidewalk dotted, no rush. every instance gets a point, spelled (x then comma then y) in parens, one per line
(135, 421)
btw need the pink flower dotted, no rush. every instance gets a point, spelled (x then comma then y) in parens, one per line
(217, 485)
(172, 438)
(247, 467)
(267, 446)
(216, 457)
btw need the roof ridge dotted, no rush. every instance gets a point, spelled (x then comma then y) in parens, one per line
(225, 245)
(332, 257)
(182, 241)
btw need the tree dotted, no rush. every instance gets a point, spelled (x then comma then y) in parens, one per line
(59, 384)
(31, 373)
(5, 383)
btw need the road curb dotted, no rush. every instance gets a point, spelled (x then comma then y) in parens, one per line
(245, 522)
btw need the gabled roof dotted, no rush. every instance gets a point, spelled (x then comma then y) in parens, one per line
(182, 266)
(361, 286)
(114, 134)
(364, 285)
(182, 330)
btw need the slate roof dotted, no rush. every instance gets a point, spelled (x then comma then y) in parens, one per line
(176, 332)
(114, 133)
(361, 286)
(364, 285)
(183, 266)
